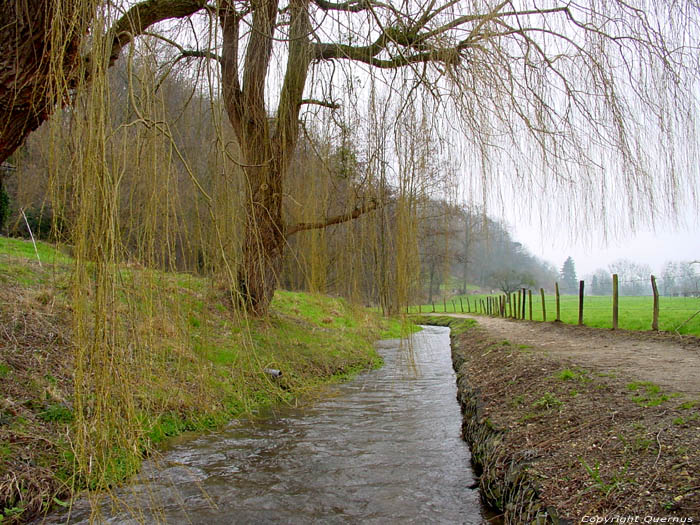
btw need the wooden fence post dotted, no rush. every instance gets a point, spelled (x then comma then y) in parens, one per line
(544, 308)
(444, 305)
(454, 308)
(615, 301)
(655, 320)
(523, 311)
(529, 300)
(517, 309)
(469, 307)
(433, 306)
(580, 302)
(556, 294)
(461, 306)
(419, 309)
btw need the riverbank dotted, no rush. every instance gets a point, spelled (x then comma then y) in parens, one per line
(383, 448)
(560, 442)
(204, 367)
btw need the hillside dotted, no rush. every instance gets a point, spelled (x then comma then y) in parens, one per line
(205, 366)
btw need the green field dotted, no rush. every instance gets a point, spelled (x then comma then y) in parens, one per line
(635, 313)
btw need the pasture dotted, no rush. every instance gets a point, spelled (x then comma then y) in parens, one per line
(676, 314)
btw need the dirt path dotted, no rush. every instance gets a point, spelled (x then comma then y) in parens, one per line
(663, 359)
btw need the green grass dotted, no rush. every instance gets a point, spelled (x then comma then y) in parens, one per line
(204, 363)
(648, 394)
(617, 479)
(56, 413)
(572, 375)
(456, 325)
(635, 313)
(547, 402)
(22, 248)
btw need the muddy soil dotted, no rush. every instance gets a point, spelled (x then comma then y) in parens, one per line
(606, 424)
(668, 360)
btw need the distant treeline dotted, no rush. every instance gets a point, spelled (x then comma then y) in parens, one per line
(677, 279)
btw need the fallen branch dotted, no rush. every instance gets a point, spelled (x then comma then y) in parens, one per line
(31, 235)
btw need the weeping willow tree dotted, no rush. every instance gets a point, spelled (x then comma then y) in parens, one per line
(592, 97)
(593, 101)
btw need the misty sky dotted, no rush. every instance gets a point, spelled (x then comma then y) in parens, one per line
(645, 247)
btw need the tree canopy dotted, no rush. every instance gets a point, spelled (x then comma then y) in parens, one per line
(592, 100)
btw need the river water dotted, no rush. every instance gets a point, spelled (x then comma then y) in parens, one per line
(383, 448)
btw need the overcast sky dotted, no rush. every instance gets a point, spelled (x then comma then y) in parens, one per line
(645, 247)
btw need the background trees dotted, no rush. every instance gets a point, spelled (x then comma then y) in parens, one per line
(681, 278)
(678, 278)
(601, 282)
(509, 281)
(555, 85)
(634, 278)
(569, 281)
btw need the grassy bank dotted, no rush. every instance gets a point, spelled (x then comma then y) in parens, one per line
(204, 366)
(635, 313)
(572, 441)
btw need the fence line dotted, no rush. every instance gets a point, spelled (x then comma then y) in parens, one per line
(519, 305)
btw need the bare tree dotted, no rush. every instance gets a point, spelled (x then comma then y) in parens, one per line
(634, 277)
(558, 83)
(510, 280)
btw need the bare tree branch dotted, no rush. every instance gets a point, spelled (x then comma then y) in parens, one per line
(324, 103)
(143, 15)
(351, 6)
(186, 53)
(336, 219)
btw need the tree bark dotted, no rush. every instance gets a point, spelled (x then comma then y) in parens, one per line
(263, 248)
(40, 59)
(34, 46)
(267, 152)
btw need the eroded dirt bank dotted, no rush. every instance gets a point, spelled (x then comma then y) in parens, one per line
(566, 438)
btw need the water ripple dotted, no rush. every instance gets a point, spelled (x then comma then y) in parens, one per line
(384, 448)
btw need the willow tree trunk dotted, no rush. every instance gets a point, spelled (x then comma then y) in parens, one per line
(267, 149)
(263, 241)
(35, 48)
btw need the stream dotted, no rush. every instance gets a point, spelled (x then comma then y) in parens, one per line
(382, 448)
